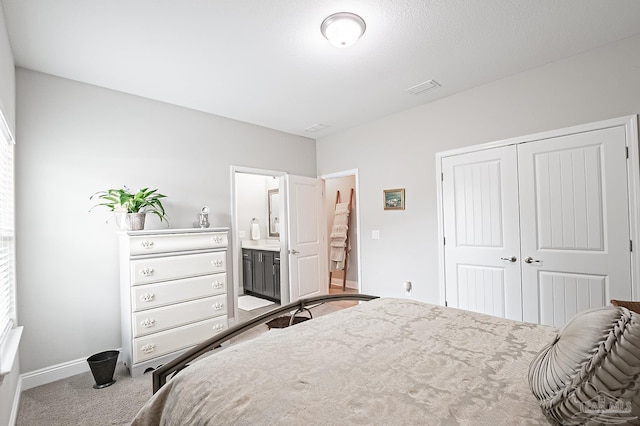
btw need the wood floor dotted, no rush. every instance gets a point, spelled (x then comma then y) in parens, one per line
(343, 303)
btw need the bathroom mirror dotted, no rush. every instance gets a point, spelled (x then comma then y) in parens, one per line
(274, 213)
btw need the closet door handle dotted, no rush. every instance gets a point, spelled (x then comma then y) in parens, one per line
(293, 251)
(510, 259)
(531, 260)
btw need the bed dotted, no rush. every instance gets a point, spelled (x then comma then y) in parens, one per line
(386, 361)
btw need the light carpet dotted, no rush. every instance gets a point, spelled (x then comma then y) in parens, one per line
(249, 303)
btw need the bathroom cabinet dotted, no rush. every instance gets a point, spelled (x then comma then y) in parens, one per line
(261, 273)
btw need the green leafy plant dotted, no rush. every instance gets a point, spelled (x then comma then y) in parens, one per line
(125, 201)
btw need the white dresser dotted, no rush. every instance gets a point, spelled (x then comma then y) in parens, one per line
(173, 287)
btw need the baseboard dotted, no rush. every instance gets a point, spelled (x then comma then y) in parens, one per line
(349, 284)
(46, 375)
(13, 418)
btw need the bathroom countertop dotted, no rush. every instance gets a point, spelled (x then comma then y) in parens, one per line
(269, 245)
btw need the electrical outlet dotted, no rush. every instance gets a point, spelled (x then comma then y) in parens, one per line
(242, 234)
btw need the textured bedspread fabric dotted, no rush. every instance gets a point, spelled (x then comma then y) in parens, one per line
(386, 362)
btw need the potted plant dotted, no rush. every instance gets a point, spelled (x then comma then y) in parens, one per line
(134, 205)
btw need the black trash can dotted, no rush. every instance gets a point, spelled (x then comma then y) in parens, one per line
(103, 365)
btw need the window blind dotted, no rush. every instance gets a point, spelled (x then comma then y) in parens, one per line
(7, 235)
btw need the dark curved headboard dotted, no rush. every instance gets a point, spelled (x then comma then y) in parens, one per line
(161, 374)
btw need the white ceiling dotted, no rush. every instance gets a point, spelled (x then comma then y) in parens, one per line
(265, 61)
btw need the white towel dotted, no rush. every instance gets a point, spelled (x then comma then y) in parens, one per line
(338, 238)
(339, 230)
(342, 208)
(337, 254)
(340, 220)
(336, 266)
(255, 231)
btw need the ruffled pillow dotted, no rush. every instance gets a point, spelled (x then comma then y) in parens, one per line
(591, 371)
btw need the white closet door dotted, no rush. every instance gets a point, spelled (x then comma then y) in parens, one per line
(575, 225)
(482, 245)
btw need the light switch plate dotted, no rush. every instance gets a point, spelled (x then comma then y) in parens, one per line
(375, 234)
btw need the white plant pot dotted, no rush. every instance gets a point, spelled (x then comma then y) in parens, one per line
(121, 220)
(135, 221)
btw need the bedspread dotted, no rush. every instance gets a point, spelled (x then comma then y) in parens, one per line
(386, 362)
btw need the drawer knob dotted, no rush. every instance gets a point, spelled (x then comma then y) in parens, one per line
(148, 348)
(218, 327)
(217, 284)
(146, 272)
(217, 262)
(147, 244)
(217, 239)
(218, 306)
(148, 322)
(147, 297)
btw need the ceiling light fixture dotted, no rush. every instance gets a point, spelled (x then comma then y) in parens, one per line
(343, 29)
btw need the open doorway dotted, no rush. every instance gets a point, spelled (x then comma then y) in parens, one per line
(285, 258)
(343, 266)
(297, 234)
(257, 242)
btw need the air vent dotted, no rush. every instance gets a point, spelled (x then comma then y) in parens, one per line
(316, 128)
(423, 87)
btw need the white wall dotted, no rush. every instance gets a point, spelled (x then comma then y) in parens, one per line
(252, 202)
(9, 384)
(398, 151)
(76, 139)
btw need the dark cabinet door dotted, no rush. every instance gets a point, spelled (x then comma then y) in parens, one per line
(247, 270)
(276, 281)
(258, 272)
(269, 274)
(261, 273)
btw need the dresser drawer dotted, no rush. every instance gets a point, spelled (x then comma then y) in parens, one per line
(165, 342)
(173, 267)
(160, 319)
(166, 293)
(176, 242)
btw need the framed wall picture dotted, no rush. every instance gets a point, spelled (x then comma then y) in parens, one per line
(394, 199)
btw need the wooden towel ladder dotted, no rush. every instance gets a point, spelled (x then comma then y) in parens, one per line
(346, 248)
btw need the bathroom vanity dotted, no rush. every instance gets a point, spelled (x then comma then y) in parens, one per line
(261, 269)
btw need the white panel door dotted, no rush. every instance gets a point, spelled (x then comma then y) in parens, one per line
(307, 248)
(482, 245)
(575, 225)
